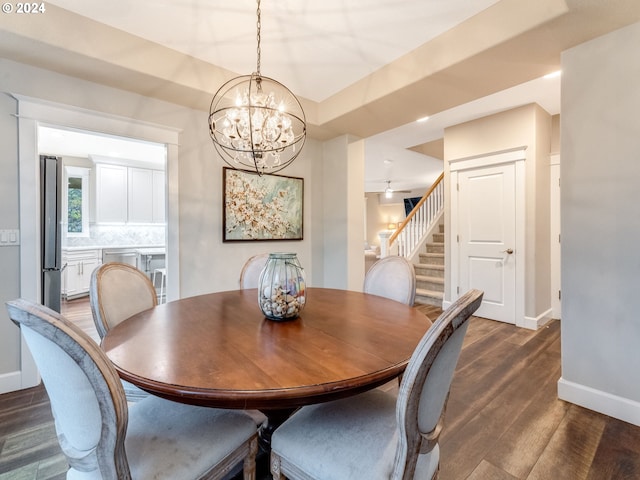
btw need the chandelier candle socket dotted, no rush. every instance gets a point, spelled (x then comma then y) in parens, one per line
(256, 122)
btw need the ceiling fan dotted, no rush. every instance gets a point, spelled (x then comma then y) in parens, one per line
(388, 191)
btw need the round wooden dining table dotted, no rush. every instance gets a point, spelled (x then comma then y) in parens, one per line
(219, 350)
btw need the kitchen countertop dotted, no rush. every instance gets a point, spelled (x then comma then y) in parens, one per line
(151, 251)
(154, 249)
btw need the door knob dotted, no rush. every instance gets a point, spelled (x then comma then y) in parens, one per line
(508, 250)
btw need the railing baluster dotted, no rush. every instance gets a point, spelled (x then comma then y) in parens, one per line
(419, 220)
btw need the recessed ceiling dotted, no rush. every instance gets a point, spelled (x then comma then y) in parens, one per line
(316, 48)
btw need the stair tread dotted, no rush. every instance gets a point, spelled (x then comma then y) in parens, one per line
(428, 278)
(433, 266)
(429, 293)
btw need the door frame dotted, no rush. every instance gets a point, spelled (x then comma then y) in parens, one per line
(33, 112)
(517, 157)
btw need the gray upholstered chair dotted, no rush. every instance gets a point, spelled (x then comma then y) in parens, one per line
(102, 437)
(250, 273)
(378, 435)
(116, 292)
(392, 277)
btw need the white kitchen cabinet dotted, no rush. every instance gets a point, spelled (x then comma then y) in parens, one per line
(78, 266)
(130, 194)
(158, 196)
(146, 196)
(111, 193)
(140, 195)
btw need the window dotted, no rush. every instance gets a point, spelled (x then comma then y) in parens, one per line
(77, 201)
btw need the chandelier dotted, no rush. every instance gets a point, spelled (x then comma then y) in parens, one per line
(257, 122)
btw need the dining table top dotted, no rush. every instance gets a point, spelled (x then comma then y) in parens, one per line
(219, 350)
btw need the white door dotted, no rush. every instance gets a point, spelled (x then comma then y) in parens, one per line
(487, 238)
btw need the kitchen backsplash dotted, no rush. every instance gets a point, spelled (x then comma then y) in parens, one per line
(115, 235)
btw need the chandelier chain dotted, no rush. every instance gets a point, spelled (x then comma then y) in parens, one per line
(258, 25)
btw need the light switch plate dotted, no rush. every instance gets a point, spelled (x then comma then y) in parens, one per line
(9, 237)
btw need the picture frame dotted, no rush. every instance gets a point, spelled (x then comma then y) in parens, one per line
(265, 207)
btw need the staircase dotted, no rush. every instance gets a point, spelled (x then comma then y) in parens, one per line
(430, 271)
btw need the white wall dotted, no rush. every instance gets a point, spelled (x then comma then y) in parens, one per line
(600, 151)
(355, 214)
(207, 263)
(343, 207)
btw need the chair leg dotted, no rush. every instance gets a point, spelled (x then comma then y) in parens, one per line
(275, 467)
(249, 465)
(163, 283)
(163, 279)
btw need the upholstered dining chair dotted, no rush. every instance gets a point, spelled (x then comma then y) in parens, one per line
(103, 438)
(392, 277)
(250, 273)
(378, 435)
(116, 292)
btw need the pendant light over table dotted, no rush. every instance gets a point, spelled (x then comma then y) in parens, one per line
(256, 122)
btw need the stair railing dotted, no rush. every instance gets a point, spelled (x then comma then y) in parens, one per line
(411, 232)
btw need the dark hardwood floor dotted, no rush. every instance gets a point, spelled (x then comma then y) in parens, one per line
(503, 421)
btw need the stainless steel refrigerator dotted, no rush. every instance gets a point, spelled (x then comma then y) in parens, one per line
(51, 228)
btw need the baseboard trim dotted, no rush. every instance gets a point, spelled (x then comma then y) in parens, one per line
(10, 382)
(530, 323)
(599, 401)
(534, 323)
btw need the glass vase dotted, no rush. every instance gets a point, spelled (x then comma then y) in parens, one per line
(282, 287)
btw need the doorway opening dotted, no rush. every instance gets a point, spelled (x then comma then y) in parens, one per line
(33, 113)
(99, 172)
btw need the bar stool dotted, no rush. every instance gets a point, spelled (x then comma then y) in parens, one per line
(163, 281)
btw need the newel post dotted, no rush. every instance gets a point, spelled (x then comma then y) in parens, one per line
(384, 242)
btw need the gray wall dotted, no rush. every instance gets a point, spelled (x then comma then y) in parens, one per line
(600, 162)
(9, 256)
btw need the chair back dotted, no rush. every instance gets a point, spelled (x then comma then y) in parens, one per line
(392, 277)
(250, 273)
(116, 292)
(87, 399)
(426, 382)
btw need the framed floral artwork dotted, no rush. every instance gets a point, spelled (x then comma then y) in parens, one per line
(261, 207)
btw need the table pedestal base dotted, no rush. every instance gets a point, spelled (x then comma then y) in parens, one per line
(275, 418)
